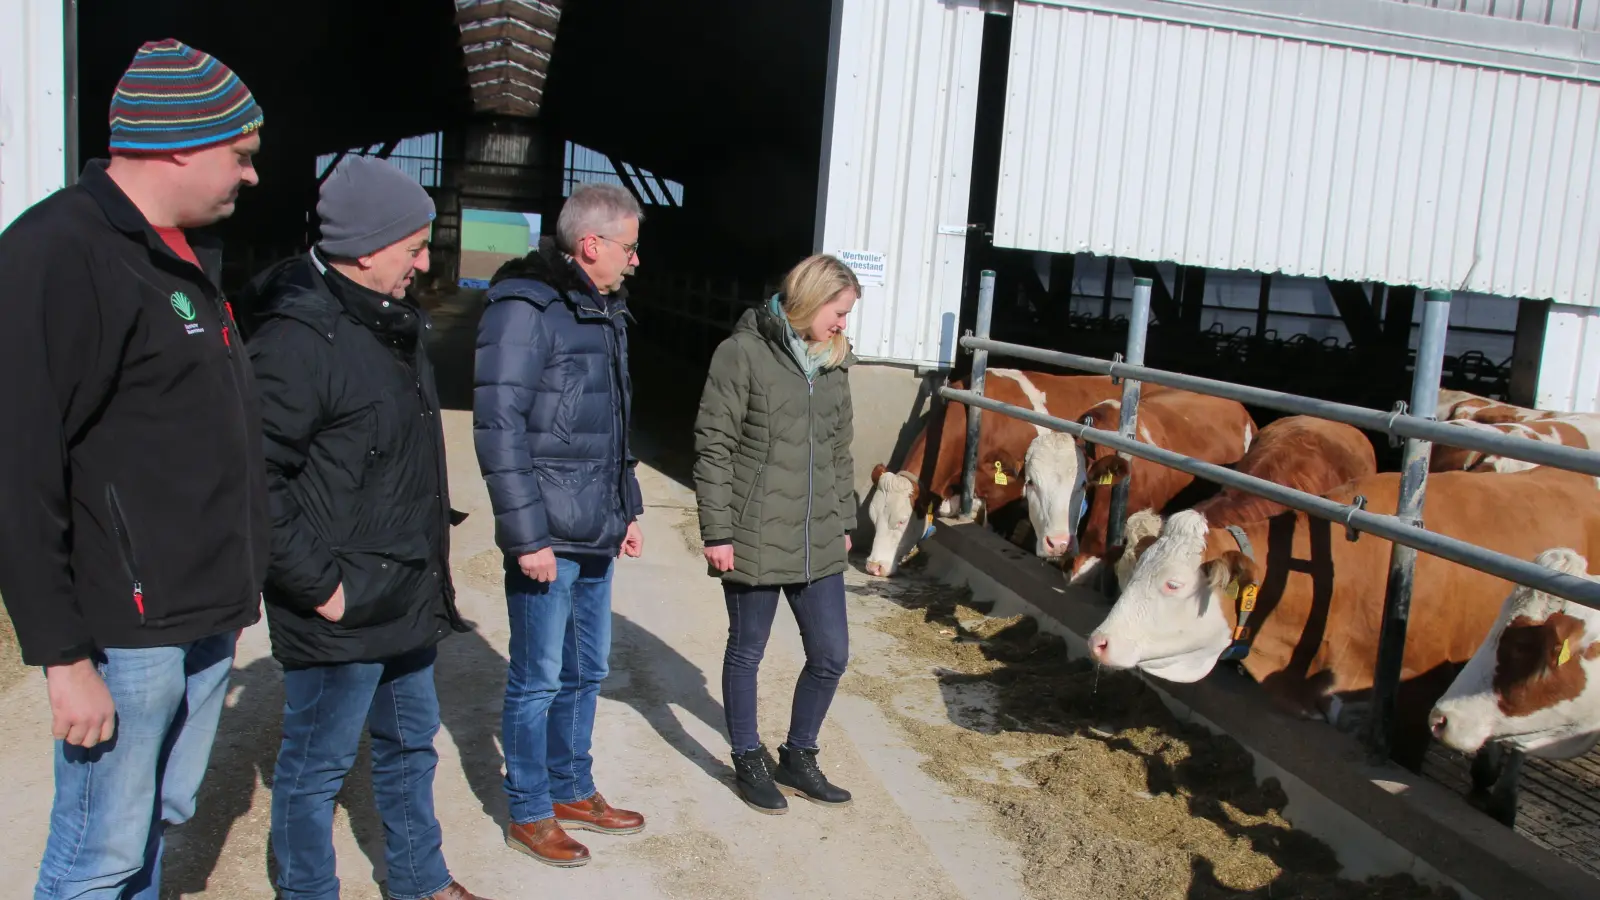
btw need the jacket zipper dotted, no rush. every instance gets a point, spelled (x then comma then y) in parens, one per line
(130, 562)
(811, 466)
(755, 485)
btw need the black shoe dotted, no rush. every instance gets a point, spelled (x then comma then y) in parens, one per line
(754, 770)
(799, 774)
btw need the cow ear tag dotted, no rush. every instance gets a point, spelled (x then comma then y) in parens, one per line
(1247, 598)
(1566, 653)
(1000, 474)
(1104, 479)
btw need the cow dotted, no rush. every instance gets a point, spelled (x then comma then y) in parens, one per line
(1317, 597)
(1527, 689)
(1460, 405)
(1068, 483)
(1571, 430)
(1300, 452)
(929, 482)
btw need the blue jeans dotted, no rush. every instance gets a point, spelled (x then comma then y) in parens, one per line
(819, 610)
(324, 708)
(560, 652)
(113, 801)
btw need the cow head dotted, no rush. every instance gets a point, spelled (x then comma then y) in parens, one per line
(1534, 682)
(1053, 473)
(900, 520)
(1170, 619)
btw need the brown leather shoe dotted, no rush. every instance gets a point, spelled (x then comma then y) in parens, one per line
(456, 892)
(595, 814)
(545, 841)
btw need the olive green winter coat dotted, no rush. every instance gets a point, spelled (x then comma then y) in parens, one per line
(773, 473)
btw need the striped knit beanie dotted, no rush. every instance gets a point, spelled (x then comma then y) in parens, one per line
(174, 97)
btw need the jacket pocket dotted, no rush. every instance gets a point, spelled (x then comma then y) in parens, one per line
(578, 499)
(382, 583)
(755, 488)
(572, 375)
(125, 549)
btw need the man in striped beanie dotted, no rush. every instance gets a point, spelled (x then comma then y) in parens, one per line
(134, 544)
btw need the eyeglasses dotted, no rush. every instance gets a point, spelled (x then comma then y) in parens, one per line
(629, 249)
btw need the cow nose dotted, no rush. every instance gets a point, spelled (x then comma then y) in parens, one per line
(1056, 544)
(1438, 722)
(1100, 648)
(874, 568)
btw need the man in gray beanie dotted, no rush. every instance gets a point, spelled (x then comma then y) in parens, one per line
(358, 590)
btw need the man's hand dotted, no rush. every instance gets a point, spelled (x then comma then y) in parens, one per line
(633, 544)
(81, 710)
(847, 545)
(539, 565)
(333, 610)
(720, 558)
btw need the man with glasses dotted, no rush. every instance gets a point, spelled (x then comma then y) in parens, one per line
(551, 406)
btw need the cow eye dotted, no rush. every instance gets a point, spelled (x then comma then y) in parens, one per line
(1173, 587)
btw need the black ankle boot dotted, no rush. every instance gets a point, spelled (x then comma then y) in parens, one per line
(798, 771)
(754, 770)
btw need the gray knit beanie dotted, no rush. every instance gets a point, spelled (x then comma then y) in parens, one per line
(368, 204)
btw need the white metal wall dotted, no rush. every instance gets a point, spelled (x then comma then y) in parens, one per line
(896, 166)
(1569, 372)
(1580, 15)
(32, 107)
(1159, 140)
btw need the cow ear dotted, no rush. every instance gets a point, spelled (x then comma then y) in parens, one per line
(1107, 470)
(878, 471)
(1231, 570)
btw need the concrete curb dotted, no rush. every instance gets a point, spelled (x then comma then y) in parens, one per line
(1380, 821)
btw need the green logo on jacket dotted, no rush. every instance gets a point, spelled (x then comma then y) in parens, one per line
(182, 306)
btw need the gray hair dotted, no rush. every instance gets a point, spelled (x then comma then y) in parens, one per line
(592, 209)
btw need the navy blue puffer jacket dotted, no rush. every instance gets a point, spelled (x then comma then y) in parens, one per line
(550, 409)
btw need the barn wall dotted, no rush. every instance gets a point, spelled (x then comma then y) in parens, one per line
(1238, 146)
(896, 166)
(32, 106)
(1569, 371)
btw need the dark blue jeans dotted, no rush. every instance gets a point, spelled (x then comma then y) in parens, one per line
(819, 610)
(113, 801)
(560, 652)
(324, 708)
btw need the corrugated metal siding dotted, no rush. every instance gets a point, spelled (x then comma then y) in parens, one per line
(897, 166)
(32, 109)
(1161, 141)
(1569, 369)
(1579, 15)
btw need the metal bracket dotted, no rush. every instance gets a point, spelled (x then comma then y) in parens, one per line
(1399, 410)
(1116, 359)
(1350, 532)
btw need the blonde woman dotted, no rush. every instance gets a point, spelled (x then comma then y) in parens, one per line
(775, 485)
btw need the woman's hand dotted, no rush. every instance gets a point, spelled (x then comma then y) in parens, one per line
(720, 558)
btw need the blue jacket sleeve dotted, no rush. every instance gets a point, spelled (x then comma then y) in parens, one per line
(513, 347)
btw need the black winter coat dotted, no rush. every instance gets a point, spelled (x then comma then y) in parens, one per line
(133, 504)
(355, 467)
(551, 405)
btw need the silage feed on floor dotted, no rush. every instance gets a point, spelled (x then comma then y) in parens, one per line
(1104, 792)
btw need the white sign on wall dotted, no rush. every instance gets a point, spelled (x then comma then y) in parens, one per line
(868, 265)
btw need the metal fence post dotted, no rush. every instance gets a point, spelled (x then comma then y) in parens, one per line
(1403, 559)
(1138, 327)
(980, 364)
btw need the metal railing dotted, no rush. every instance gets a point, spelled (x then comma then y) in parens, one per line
(1403, 529)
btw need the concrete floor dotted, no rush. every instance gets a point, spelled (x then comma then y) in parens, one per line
(659, 744)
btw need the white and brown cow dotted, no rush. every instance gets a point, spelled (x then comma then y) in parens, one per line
(1581, 430)
(1318, 597)
(1069, 482)
(1458, 405)
(1533, 687)
(929, 482)
(1300, 452)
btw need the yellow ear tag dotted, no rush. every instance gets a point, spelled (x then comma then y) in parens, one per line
(1000, 474)
(1247, 598)
(1104, 479)
(1566, 653)
(1232, 590)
